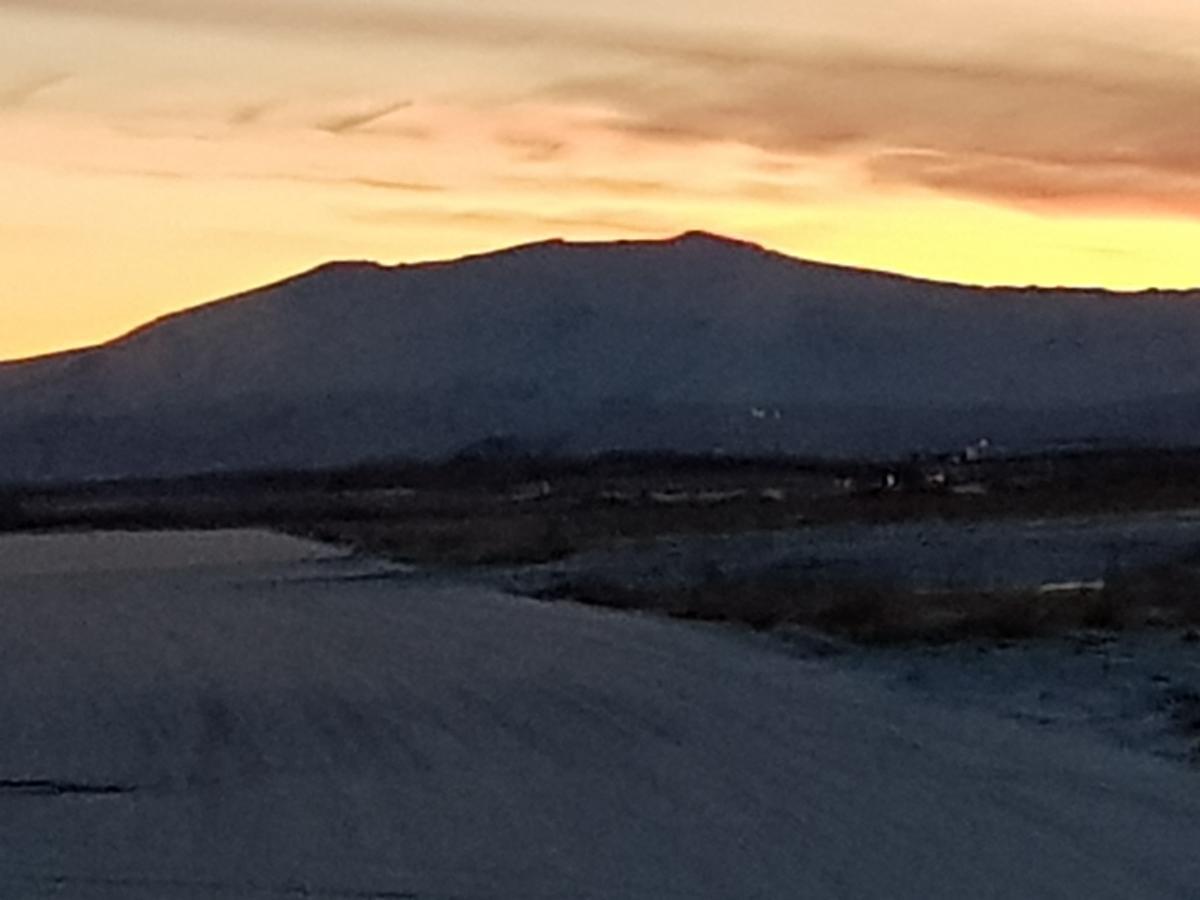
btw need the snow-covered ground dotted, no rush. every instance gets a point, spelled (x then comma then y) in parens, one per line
(227, 555)
(1136, 691)
(148, 551)
(270, 728)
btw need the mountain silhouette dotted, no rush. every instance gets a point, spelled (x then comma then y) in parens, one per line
(697, 343)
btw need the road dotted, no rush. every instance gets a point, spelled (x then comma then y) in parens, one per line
(239, 722)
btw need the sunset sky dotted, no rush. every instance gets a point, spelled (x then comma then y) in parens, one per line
(159, 153)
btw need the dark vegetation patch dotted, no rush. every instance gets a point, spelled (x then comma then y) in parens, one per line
(483, 509)
(44, 787)
(466, 512)
(1183, 704)
(525, 533)
(145, 885)
(618, 496)
(495, 540)
(886, 614)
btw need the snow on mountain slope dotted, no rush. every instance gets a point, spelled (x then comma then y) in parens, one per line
(599, 346)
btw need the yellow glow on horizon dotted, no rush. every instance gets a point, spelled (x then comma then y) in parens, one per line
(126, 276)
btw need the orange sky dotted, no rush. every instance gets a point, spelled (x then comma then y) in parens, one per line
(159, 153)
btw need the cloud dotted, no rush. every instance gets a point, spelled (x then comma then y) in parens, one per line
(358, 19)
(493, 217)
(534, 148)
(250, 113)
(1109, 130)
(758, 190)
(371, 182)
(1050, 120)
(386, 184)
(17, 95)
(1050, 187)
(622, 187)
(351, 122)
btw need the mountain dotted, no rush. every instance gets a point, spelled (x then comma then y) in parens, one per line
(695, 343)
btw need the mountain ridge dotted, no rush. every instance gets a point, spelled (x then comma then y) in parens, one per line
(693, 235)
(697, 343)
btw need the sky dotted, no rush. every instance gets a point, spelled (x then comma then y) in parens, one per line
(155, 154)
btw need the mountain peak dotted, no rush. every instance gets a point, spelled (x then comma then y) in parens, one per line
(695, 240)
(700, 237)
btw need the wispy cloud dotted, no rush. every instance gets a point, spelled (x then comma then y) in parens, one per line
(388, 184)
(761, 191)
(369, 182)
(1100, 185)
(534, 148)
(251, 113)
(349, 123)
(490, 217)
(17, 95)
(1052, 122)
(386, 21)
(625, 186)
(1107, 129)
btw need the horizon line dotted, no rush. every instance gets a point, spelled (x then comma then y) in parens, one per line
(674, 238)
